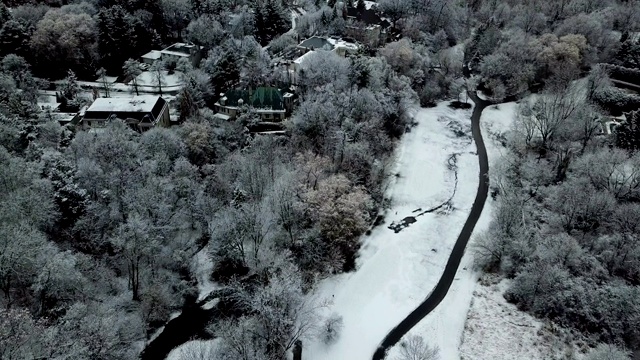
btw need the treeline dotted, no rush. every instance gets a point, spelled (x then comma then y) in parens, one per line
(565, 227)
(85, 36)
(99, 229)
(523, 45)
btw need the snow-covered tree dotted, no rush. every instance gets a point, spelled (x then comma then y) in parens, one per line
(131, 69)
(157, 70)
(608, 352)
(415, 348)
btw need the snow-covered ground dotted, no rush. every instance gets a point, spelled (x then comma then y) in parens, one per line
(193, 350)
(497, 330)
(395, 272)
(202, 267)
(445, 325)
(147, 78)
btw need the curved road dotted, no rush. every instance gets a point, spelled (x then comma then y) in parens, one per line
(441, 289)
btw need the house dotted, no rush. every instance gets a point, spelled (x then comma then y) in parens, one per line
(293, 60)
(151, 57)
(139, 112)
(340, 46)
(272, 104)
(366, 26)
(174, 53)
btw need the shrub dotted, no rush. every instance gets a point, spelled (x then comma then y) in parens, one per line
(332, 329)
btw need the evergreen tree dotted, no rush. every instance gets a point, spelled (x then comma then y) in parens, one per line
(271, 20)
(627, 134)
(14, 39)
(131, 70)
(629, 54)
(117, 38)
(5, 15)
(225, 73)
(331, 3)
(70, 87)
(361, 5)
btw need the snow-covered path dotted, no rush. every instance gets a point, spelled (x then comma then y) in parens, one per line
(396, 271)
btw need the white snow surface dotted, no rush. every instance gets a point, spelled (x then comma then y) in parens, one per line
(147, 78)
(202, 267)
(396, 272)
(197, 349)
(141, 103)
(498, 330)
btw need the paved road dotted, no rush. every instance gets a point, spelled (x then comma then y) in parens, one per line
(441, 289)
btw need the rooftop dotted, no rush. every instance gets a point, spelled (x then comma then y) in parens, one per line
(316, 42)
(259, 98)
(367, 16)
(153, 54)
(179, 49)
(141, 103)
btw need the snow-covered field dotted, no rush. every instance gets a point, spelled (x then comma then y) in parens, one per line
(395, 272)
(445, 325)
(497, 330)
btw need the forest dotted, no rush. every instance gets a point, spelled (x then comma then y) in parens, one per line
(99, 229)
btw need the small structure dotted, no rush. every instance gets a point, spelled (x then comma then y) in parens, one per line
(139, 112)
(272, 104)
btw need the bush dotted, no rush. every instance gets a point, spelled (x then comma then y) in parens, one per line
(616, 101)
(623, 73)
(332, 329)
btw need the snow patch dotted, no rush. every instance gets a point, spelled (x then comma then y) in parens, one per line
(211, 304)
(202, 267)
(197, 349)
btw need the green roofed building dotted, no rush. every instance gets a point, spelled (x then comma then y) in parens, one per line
(271, 103)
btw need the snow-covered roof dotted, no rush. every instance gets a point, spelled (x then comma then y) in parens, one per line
(303, 57)
(340, 43)
(152, 55)
(222, 116)
(141, 103)
(178, 49)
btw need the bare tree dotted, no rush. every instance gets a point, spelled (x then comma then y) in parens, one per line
(136, 246)
(131, 70)
(283, 314)
(414, 348)
(157, 71)
(551, 111)
(331, 329)
(104, 82)
(597, 80)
